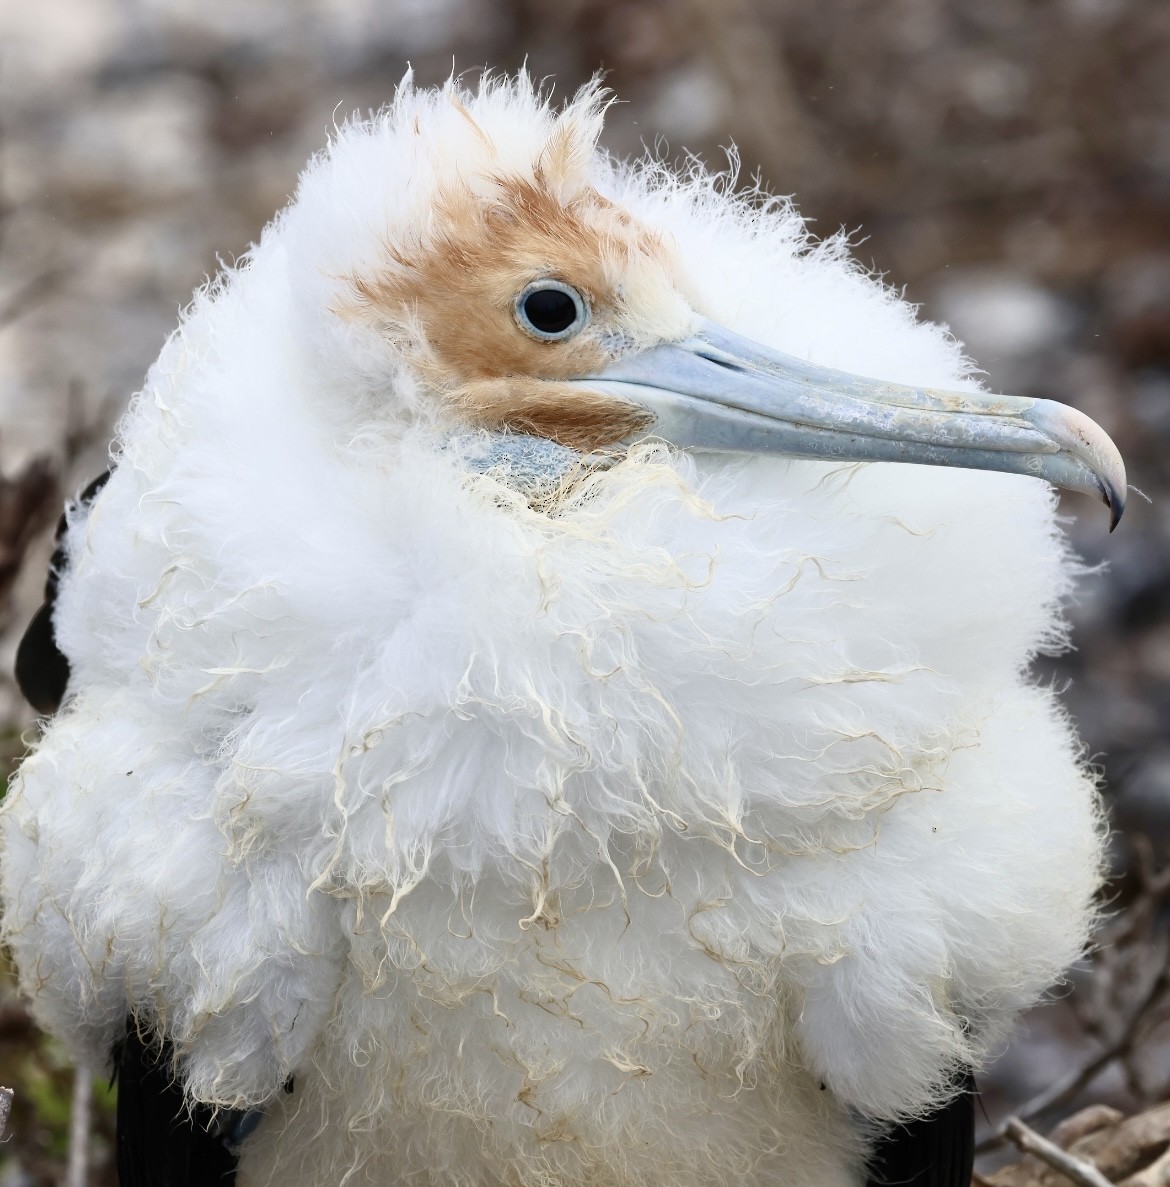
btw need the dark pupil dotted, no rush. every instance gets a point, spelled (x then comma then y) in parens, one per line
(550, 310)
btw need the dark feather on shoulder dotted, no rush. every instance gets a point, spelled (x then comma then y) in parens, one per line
(162, 1139)
(42, 669)
(933, 1151)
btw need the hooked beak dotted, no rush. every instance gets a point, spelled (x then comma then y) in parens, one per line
(718, 391)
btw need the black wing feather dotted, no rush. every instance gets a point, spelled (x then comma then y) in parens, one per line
(162, 1139)
(937, 1150)
(42, 670)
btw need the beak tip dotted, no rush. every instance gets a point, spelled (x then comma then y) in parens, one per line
(1114, 490)
(1099, 466)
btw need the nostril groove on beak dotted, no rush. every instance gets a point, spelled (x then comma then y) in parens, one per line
(723, 361)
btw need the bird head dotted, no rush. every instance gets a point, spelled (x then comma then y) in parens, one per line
(523, 287)
(484, 253)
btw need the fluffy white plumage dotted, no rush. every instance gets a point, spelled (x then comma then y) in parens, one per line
(645, 839)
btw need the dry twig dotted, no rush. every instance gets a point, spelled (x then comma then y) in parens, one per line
(1130, 1151)
(1083, 1173)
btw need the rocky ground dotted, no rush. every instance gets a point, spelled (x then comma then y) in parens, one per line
(1008, 162)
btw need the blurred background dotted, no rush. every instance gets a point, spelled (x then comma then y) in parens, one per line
(1006, 163)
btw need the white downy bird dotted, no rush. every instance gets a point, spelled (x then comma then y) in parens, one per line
(507, 738)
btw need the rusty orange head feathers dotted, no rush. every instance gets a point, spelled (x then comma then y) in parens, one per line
(497, 235)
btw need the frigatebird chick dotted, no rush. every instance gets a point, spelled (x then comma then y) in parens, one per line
(509, 736)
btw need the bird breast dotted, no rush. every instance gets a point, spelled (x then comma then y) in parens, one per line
(702, 738)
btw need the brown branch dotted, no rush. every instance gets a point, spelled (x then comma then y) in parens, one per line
(1085, 1174)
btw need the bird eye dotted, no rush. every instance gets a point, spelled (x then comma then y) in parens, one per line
(551, 311)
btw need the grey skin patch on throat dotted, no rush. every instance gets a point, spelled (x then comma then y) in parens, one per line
(532, 465)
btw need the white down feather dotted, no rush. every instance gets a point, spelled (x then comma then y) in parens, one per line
(650, 839)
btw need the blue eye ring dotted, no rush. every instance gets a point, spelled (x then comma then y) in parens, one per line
(550, 310)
